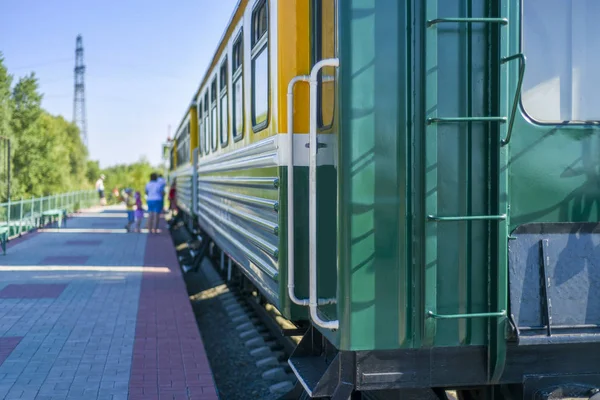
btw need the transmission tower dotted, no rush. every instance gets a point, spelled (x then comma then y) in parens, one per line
(79, 98)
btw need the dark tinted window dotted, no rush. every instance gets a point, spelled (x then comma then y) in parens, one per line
(260, 67)
(224, 105)
(214, 123)
(324, 47)
(238, 87)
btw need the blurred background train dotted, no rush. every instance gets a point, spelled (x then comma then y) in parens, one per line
(416, 179)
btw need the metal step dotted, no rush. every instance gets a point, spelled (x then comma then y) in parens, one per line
(323, 371)
(554, 273)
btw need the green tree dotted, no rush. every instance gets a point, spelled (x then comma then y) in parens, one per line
(93, 171)
(134, 176)
(6, 106)
(27, 145)
(48, 155)
(6, 110)
(27, 103)
(77, 154)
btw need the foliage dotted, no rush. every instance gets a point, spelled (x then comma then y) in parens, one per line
(92, 171)
(47, 153)
(6, 106)
(134, 176)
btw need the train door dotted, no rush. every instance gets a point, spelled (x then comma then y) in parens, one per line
(323, 193)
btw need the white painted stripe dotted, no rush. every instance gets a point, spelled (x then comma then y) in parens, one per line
(93, 268)
(327, 155)
(87, 230)
(106, 215)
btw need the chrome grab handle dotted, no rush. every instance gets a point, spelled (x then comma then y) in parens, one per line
(312, 197)
(290, 195)
(290, 189)
(195, 181)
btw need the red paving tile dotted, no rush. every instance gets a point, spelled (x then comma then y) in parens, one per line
(64, 260)
(32, 291)
(7, 345)
(169, 359)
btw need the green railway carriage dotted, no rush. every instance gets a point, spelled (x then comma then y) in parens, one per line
(440, 231)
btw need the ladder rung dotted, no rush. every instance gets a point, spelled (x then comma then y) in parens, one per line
(465, 119)
(500, 314)
(467, 218)
(502, 21)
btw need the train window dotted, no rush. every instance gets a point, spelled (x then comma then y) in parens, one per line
(183, 146)
(561, 78)
(188, 154)
(214, 122)
(324, 47)
(260, 67)
(238, 54)
(259, 22)
(224, 105)
(206, 125)
(237, 80)
(201, 126)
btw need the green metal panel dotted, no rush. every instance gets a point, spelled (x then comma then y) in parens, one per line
(422, 209)
(326, 237)
(431, 169)
(374, 197)
(456, 170)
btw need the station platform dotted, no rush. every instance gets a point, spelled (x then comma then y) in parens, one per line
(90, 311)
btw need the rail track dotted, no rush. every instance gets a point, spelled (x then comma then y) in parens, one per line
(244, 335)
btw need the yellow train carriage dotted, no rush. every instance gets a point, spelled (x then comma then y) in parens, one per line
(182, 171)
(243, 154)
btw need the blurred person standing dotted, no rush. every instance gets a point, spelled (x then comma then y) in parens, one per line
(100, 190)
(155, 194)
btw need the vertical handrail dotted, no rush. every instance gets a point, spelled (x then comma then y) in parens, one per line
(194, 188)
(513, 113)
(290, 196)
(312, 196)
(290, 190)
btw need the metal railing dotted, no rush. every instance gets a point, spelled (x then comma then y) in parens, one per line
(23, 215)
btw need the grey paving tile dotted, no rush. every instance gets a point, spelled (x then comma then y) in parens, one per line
(69, 344)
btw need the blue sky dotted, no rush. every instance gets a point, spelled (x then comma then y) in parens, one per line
(144, 60)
